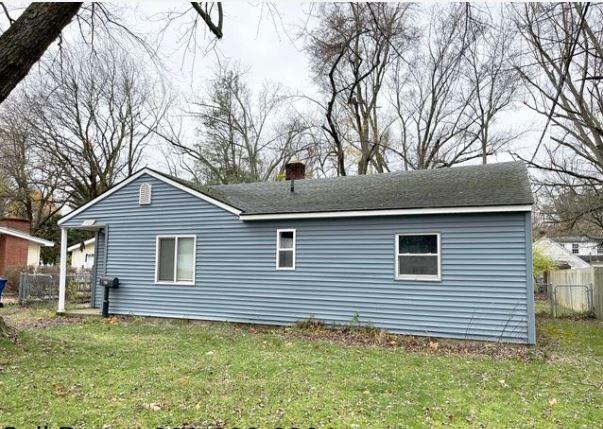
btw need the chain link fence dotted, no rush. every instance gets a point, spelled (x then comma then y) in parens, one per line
(571, 300)
(40, 288)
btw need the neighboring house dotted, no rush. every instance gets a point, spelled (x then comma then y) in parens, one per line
(594, 260)
(562, 257)
(82, 254)
(581, 246)
(443, 253)
(18, 248)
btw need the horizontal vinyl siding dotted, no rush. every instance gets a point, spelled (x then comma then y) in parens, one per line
(343, 267)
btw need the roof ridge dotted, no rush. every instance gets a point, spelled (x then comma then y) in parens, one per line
(204, 187)
(218, 187)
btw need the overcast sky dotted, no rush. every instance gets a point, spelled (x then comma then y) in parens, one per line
(262, 41)
(267, 43)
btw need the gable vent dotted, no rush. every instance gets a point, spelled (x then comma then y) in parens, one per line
(144, 194)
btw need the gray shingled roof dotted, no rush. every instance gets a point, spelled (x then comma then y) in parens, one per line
(483, 185)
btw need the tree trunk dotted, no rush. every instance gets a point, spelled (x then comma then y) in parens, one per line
(22, 45)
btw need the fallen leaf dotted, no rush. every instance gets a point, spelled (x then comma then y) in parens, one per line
(153, 406)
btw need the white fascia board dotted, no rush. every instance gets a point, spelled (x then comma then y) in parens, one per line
(158, 177)
(25, 236)
(394, 212)
(197, 194)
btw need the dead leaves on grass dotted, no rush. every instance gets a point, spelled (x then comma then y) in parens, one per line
(369, 336)
(44, 322)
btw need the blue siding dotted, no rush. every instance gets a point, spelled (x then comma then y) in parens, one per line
(344, 266)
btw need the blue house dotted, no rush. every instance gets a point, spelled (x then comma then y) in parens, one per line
(443, 253)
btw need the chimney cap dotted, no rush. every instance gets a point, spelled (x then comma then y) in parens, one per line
(295, 170)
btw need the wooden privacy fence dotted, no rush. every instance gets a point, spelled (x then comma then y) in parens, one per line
(579, 290)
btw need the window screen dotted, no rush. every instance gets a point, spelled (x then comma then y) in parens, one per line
(176, 259)
(167, 250)
(285, 253)
(417, 257)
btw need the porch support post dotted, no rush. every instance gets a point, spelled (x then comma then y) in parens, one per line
(63, 271)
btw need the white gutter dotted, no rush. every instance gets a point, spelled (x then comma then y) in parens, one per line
(392, 212)
(26, 236)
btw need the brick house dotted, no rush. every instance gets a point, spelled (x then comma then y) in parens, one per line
(18, 248)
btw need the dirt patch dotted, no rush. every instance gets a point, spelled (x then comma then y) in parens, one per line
(367, 336)
(20, 322)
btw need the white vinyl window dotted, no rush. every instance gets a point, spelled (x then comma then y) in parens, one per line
(418, 256)
(175, 259)
(285, 249)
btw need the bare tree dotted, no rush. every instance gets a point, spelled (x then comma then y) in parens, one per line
(563, 71)
(30, 181)
(28, 37)
(351, 51)
(423, 96)
(448, 94)
(491, 73)
(242, 137)
(40, 24)
(92, 117)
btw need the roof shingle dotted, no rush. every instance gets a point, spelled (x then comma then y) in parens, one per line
(472, 186)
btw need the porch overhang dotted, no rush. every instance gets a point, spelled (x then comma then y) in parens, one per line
(88, 225)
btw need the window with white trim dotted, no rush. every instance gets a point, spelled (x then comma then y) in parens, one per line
(144, 194)
(575, 248)
(418, 256)
(175, 259)
(285, 249)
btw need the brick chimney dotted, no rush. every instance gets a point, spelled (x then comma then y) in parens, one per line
(295, 170)
(16, 223)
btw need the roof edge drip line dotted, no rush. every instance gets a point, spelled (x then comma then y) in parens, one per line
(393, 212)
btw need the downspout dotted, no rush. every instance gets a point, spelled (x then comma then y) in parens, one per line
(530, 280)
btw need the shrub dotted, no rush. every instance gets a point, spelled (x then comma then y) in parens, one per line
(541, 262)
(311, 324)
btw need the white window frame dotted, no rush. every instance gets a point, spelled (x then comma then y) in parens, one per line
(576, 248)
(175, 282)
(417, 277)
(278, 248)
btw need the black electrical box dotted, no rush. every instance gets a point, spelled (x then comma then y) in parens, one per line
(110, 282)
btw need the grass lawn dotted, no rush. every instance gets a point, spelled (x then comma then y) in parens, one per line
(148, 373)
